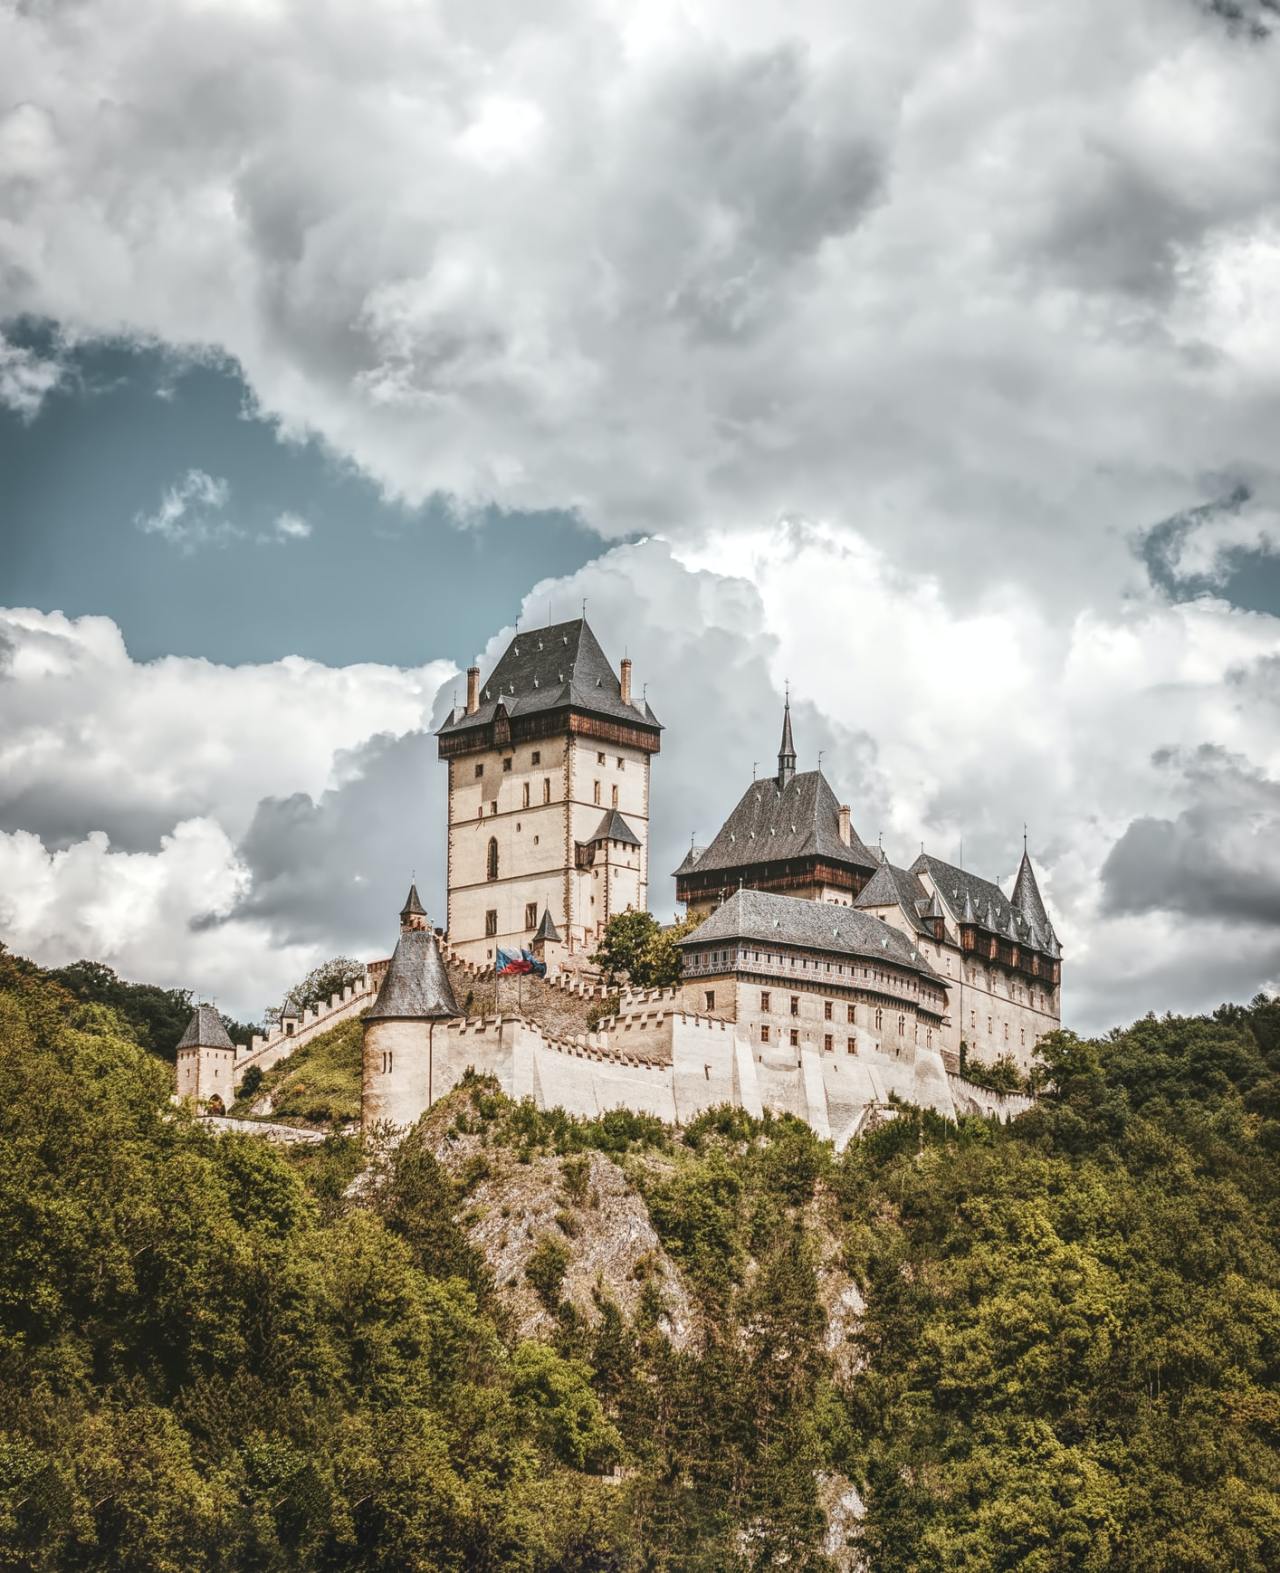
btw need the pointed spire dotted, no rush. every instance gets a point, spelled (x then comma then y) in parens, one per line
(413, 907)
(968, 915)
(547, 931)
(787, 753)
(1026, 893)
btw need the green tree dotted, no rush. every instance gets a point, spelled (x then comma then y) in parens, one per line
(638, 950)
(331, 977)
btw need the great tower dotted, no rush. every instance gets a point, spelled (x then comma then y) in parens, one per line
(548, 795)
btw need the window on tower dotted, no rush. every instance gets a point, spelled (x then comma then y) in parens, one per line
(506, 765)
(531, 914)
(491, 861)
(491, 922)
(479, 772)
(615, 797)
(536, 757)
(526, 794)
(596, 790)
(546, 789)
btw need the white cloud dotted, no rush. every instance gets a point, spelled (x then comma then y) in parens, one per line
(26, 379)
(190, 512)
(291, 527)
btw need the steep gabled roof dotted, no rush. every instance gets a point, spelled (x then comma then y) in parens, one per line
(800, 819)
(546, 929)
(614, 828)
(205, 1031)
(416, 986)
(1026, 894)
(813, 925)
(890, 886)
(553, 668)
(970, 899)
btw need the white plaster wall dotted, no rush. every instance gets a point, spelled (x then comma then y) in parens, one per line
(394, 1092)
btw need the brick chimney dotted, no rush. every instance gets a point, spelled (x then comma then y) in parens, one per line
(626, 679)
(473, 689)
(845, 833)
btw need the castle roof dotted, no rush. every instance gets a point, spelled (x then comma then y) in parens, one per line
(413, 907)
(971, 899)
(555, 668)
(890, 886)
(690, 860)
(772, 823)
(812, 925)
(205, 1031)
(547, 929)
(1026, 894)
(614, 828)
(416, 986)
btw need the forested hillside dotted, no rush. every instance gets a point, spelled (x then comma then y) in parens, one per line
(520, 1341)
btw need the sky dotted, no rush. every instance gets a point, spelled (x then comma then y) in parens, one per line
(927, 360)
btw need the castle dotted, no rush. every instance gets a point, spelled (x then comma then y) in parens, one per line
(823, 980)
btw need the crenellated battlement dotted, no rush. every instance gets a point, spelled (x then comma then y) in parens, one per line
(268, 1049)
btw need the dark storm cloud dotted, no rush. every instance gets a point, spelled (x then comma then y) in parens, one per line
(1218, 859)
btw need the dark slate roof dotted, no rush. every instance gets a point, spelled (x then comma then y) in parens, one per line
(614, 828)
(1026, 894)
(813, 925)
(890, 886)
(551, 669)
(787, 748)
(413, 907)
(971, 899)
(689, 861)
(801, 819)
(547, 929)
(205, 1031)
(416, 986)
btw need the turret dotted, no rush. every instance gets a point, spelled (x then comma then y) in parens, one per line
(398, 1081)
(787, 752)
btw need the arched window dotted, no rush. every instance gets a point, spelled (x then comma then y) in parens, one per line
(492, 862)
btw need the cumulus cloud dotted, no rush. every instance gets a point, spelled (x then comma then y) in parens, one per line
(90, 739)
(971, 279)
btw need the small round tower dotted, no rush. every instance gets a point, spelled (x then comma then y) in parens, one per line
(397, 1080)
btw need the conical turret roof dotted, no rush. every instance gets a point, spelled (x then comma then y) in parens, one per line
(205, 1031)
(1026, 893)
(547, 930)
(416, 986)
(787, 750)
(413, 907)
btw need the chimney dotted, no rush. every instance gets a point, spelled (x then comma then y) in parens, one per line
(473, 689)
(626, 679)
(844, 823)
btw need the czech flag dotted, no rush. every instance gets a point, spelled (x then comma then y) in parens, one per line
(519, 962)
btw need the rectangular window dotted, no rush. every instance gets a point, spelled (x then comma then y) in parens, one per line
(493, 807)
(711, 999)
(596, 790)
(536, 757)
(795, 1038)
(795, 1004)
(599, 759)
(764, 1000)
(827, 1008)
(973, 1018)
(479, 771)
(853, 1045)
(531, 914)
(506, 766)
(988, 1026)
(827, 1042)
(764, 1033)
(491, 922)
(546, 789)
(879, 1020)
(852, 1017)
(526, 794)
(622, 764)
(1006, 1032)
(615, 797)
